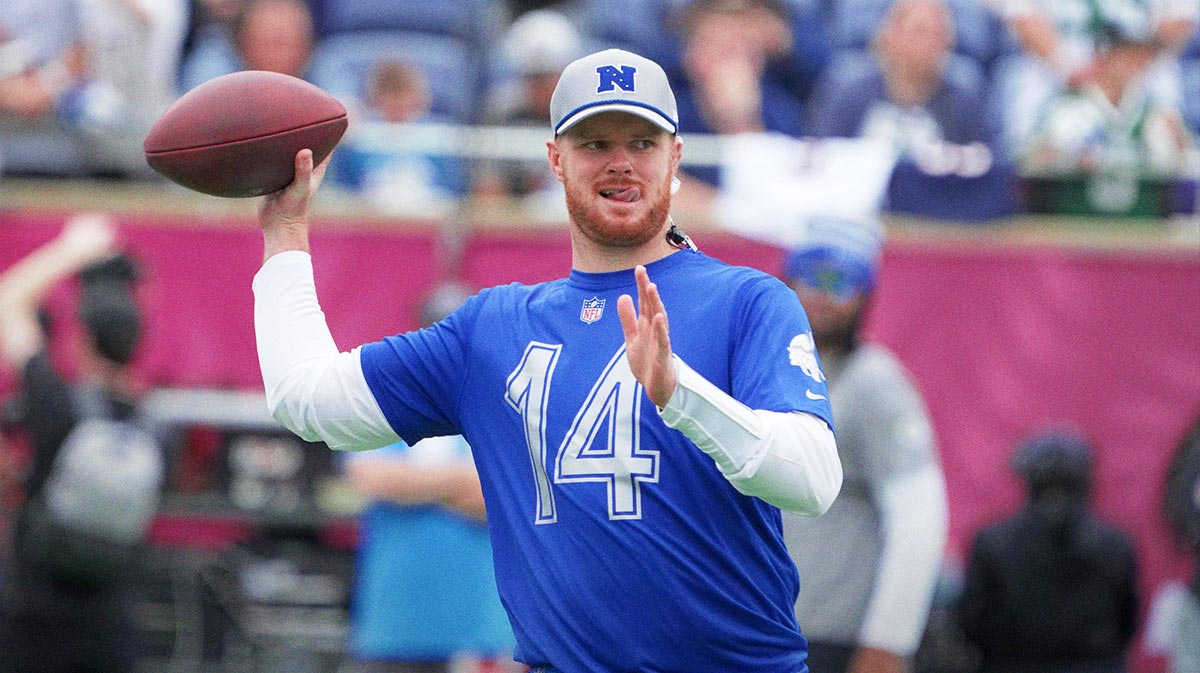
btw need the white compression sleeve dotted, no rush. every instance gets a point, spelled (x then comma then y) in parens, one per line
(787, 459)
(915, 522)
(311, 388)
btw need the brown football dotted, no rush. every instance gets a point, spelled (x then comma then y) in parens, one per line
(237, 135)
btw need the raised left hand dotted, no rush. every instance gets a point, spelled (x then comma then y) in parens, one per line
(647, 339)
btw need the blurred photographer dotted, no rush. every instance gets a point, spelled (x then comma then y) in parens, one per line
(1052, 589)
(55, 616)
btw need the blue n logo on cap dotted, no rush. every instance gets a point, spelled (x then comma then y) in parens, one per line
(610, 76)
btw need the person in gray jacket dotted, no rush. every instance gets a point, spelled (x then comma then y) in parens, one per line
(869, 565)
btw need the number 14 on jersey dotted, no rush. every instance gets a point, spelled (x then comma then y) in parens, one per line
(603, 442)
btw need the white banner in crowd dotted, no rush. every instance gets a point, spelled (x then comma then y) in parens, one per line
(774, 187)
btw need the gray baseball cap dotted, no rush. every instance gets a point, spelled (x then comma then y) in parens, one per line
(613, 79)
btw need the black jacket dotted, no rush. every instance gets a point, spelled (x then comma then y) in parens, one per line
(1040, 601)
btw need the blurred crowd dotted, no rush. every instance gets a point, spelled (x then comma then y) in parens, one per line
(994, 107)
(990, 108)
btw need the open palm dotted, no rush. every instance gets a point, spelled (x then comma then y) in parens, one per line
(647, 339)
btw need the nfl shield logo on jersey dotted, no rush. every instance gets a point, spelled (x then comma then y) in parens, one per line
(592, 310)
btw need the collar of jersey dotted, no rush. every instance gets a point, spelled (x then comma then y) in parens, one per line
(611, 280)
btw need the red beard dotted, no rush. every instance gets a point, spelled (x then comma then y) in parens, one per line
(589, 212)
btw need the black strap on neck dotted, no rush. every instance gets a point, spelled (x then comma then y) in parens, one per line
(677, 239)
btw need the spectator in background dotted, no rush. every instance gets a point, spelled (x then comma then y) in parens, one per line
(32, 32)
(216, 12)
(914, 93)
(397, 92)
(1051, 589)
(1056, 38)
(799, 70)
(1112, 146)
(209, 41)
(31, 37)
(425, 589)
(534, 50)
(109, 84)
(274, 35)
(870, 564)
(48, 622)
(1179, 631)
(129, 50)
(727, 46)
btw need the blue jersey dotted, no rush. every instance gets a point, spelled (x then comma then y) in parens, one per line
(618, 544)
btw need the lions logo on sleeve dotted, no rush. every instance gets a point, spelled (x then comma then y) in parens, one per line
(802, 352)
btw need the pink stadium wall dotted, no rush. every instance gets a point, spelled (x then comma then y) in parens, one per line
(1001, 338)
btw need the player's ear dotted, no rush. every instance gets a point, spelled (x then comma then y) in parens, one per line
(555, 158)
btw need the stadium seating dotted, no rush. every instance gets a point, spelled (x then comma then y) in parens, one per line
(637, 25)
(474, 21)
(342, 61)
(41, 152)
(1189, 65)
(1190, 101)
(978, 31)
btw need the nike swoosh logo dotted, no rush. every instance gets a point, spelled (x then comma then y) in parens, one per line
(813, 396)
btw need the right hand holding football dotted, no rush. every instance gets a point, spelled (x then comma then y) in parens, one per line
(283, 215)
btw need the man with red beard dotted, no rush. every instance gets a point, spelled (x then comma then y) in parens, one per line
(633, 475)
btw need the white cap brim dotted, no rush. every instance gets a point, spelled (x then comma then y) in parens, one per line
(656, 117)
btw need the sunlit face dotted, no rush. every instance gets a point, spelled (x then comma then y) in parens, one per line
(616, 169)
